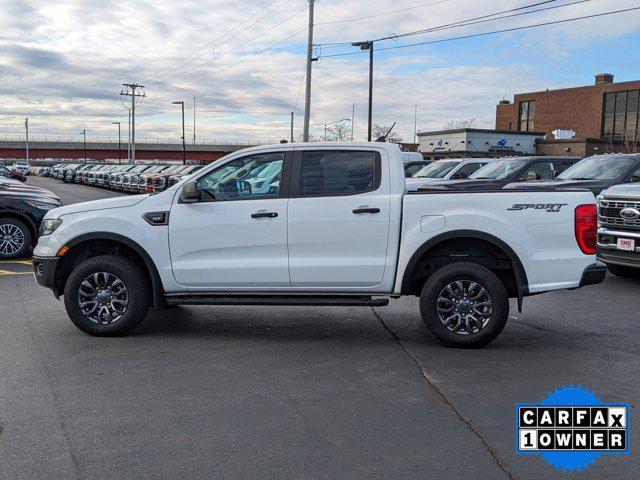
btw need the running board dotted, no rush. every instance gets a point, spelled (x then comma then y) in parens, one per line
(299, 300)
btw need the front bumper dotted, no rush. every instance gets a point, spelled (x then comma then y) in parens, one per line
(593, 274)
(44, 270)
(608, 248)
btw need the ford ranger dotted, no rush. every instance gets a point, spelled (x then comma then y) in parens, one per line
(333, 226)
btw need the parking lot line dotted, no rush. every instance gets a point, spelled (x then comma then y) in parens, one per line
(8, 272)
(20, 262)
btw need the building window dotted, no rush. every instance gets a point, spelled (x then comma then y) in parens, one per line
(527, 116)
(620, 116)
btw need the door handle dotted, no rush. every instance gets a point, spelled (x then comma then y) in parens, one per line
(358, 211)
(264, 215)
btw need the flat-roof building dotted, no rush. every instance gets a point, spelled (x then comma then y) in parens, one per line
(602, 117)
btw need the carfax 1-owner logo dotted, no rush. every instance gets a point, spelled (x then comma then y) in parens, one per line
(571, 428)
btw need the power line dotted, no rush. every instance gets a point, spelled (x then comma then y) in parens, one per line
(231, 66)
(196, 67)
(524, 7)
(495, 32)
(391, 12)
(212, 44)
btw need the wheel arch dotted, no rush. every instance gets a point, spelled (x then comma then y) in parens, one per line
(119, 242)
(430, 245)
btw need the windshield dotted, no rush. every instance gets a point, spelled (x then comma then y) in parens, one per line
(499, 170)
(598, 168)
(436, 170)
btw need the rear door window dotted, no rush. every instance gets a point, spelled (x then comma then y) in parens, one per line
(333, 172)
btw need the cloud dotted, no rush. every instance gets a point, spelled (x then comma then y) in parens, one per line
(63, 62)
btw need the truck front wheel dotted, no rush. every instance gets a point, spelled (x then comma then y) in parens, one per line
(464, 305)
(107, 296)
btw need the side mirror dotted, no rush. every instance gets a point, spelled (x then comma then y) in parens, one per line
(190, 193)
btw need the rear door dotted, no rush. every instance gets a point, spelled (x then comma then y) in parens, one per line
(339, 214)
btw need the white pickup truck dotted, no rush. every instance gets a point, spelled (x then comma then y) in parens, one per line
(335, 226)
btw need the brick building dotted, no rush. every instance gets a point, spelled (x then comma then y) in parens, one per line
(604, 117)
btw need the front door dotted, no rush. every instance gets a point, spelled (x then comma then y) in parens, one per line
(236, 235)
(338, 219)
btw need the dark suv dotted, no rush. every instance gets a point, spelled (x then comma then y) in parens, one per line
(21, 214)
(595, 173)
(499, 173)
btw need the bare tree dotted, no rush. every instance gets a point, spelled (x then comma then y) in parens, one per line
(378, 131)
(339, 132)
(459, 124)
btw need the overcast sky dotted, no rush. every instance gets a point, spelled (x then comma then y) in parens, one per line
(63, 62)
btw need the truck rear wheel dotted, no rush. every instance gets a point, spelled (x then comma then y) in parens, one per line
(464, 305)
(107, 296)
(625, 272)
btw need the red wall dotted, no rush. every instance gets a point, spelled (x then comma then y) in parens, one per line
(205, 157)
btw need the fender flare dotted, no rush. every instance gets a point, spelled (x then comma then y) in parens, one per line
(156, 282)
(519, 271)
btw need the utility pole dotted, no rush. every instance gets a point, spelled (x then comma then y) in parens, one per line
(310, 59)
(119, 143)
(194, 120)
(184, 147)
(135, 97)
(415, 123)
(291, 127)
(353, 118)
(368, 46)
(26, 143)
(84, 134)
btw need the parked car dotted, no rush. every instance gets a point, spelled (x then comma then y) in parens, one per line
(21, 214)
(337, 228)
(54, 170)
(450, 169)
(11, 176)
(122, 180)
(619, 229)
(110, 177)
(595, 173)
(44, 171)
(173, 179)
(145, 180)
(22, 167)
(138, 180)
(413, 161)
(504, 171)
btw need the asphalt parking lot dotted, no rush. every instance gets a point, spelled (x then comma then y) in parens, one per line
(304, 393)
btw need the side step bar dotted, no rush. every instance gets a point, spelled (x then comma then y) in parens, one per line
(301, 300)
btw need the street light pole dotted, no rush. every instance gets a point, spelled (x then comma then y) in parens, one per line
(84, 135)
(26, 144)
(415, 123)
(184, 147)
(368, 46)
(119, 143)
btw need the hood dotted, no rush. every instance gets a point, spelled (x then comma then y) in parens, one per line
(596, 186)
(470, 184)
(107, 203)
(21, 188)
(21, 195)
(626, 191)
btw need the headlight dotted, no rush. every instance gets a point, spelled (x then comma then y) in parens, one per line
(49, 225)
